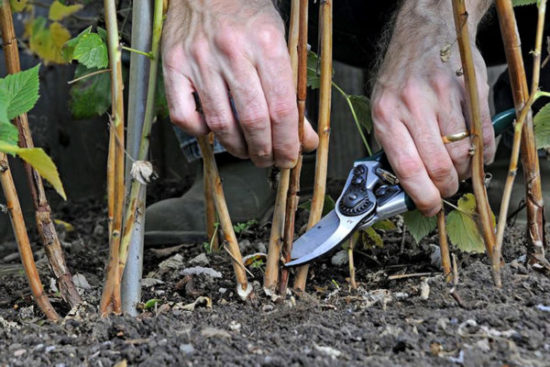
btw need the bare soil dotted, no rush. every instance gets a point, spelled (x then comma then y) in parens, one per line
(383, 323)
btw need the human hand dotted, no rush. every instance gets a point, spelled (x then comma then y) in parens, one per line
(233, 49)
(417, 99)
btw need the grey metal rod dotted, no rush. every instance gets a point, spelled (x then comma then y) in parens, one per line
(142, 16)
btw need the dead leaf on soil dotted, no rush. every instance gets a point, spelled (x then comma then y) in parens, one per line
(210, 332)
(199, 270)
(164, 252)
(122, 363)
(200, 301)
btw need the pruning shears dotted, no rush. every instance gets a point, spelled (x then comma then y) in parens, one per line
(372, 193)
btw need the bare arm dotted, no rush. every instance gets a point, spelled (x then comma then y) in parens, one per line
(419, 97)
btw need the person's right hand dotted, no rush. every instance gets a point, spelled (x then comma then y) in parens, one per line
(418, 98)
(233, 49)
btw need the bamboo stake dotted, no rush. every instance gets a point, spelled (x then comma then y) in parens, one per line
(325, 95)
(110, 299)
(524, 114)
(44, 222)
(529, 155)
(210, 207)
(476, 132)
(271, 275)
(244, 289)
(20, 231)
(294, 186)
(444, 246)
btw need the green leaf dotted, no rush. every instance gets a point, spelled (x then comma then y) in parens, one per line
(69, 46)
(371, 238)
(59, 11)
(18, 5)
(361, 106)
(418, 225)
(542, 127)
(91, 51)
(151, 303)
(22, 91)
(4, 104)
(523, 2)
(313, 77)
(327, 206)
(461, 227)
(40, 161)
(385, 225)
(91, 96)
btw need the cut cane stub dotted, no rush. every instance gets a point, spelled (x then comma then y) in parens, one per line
(244, 293)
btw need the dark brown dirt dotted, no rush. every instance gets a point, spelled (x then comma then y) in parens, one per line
(383, 323)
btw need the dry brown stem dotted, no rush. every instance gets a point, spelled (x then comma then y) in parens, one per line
(352, 242)
(211, 228)
(523, 136)
(244, 289)
(476, 131)
(22, 238)
(325, 94)
(518, 128)
(444, 246)
(110, 299)
(44, 222)
(276, 236)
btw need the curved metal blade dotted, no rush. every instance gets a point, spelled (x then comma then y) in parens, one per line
(322, 238)
(315, 236)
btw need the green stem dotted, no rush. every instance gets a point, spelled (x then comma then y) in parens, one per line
(129, 221)
(541, 93)
(354, 114)
(146, 54)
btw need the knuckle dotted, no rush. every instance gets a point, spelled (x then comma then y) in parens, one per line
(441, 84)
(269, 37)
(408, 167)
(440, 171)
(218, 124)
(284, 111)
(287, 152)
(254, 120)
(228, 39)
(383, 108)
(410, 91)
(199, 49)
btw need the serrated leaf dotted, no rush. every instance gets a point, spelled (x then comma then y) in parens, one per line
(8, 132)
(18, 5)
(91, 51)
(91, 96)
(418, 225)
(69, 46)
(4, 104)
(58, 11)
(371, 238)
(385, 225)
(40, 161)
(523, 2)
(361, 106)
(48, 42)
(22, 91)
(462, 229)
(542, 127)
(102, 33)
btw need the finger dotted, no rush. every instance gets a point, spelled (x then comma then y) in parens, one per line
(489, 145)
(403, 157)
(424, 129)
(217, 112)
(275, 74)
(451, 121)
(311, 139)
(252, 111)
(181, 104)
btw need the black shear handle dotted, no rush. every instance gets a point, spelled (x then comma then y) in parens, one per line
(501, 122)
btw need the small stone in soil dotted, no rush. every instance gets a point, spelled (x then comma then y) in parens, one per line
(187, 349)
(199, 260)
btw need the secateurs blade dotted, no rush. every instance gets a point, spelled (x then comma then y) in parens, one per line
(371, 193)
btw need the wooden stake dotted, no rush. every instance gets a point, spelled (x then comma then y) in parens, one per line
(44, 222)
(271, 275)
(529, 155)
(476, 132)
(325, 91)
(22, 238)
(524, 115)
(444, 246)
(110, 300)
(244, 289)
